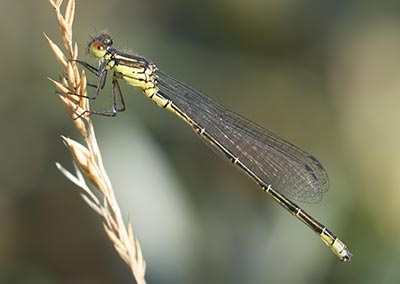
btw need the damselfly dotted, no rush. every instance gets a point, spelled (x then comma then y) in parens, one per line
(280, 168)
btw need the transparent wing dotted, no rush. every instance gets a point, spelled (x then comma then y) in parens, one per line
(290, 170)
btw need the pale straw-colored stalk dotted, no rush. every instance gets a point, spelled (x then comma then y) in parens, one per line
(87, 158)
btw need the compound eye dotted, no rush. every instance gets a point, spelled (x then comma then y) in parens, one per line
(97, 49)
(98, 46)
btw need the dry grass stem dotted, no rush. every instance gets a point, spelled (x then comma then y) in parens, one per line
(87, 157)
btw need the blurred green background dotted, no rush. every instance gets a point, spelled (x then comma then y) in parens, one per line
(323, 74)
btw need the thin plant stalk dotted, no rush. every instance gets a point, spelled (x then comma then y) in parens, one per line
(87, 157)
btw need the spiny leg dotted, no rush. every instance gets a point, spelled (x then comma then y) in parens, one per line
(116, 95)
(89, 67)
(101, 72)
